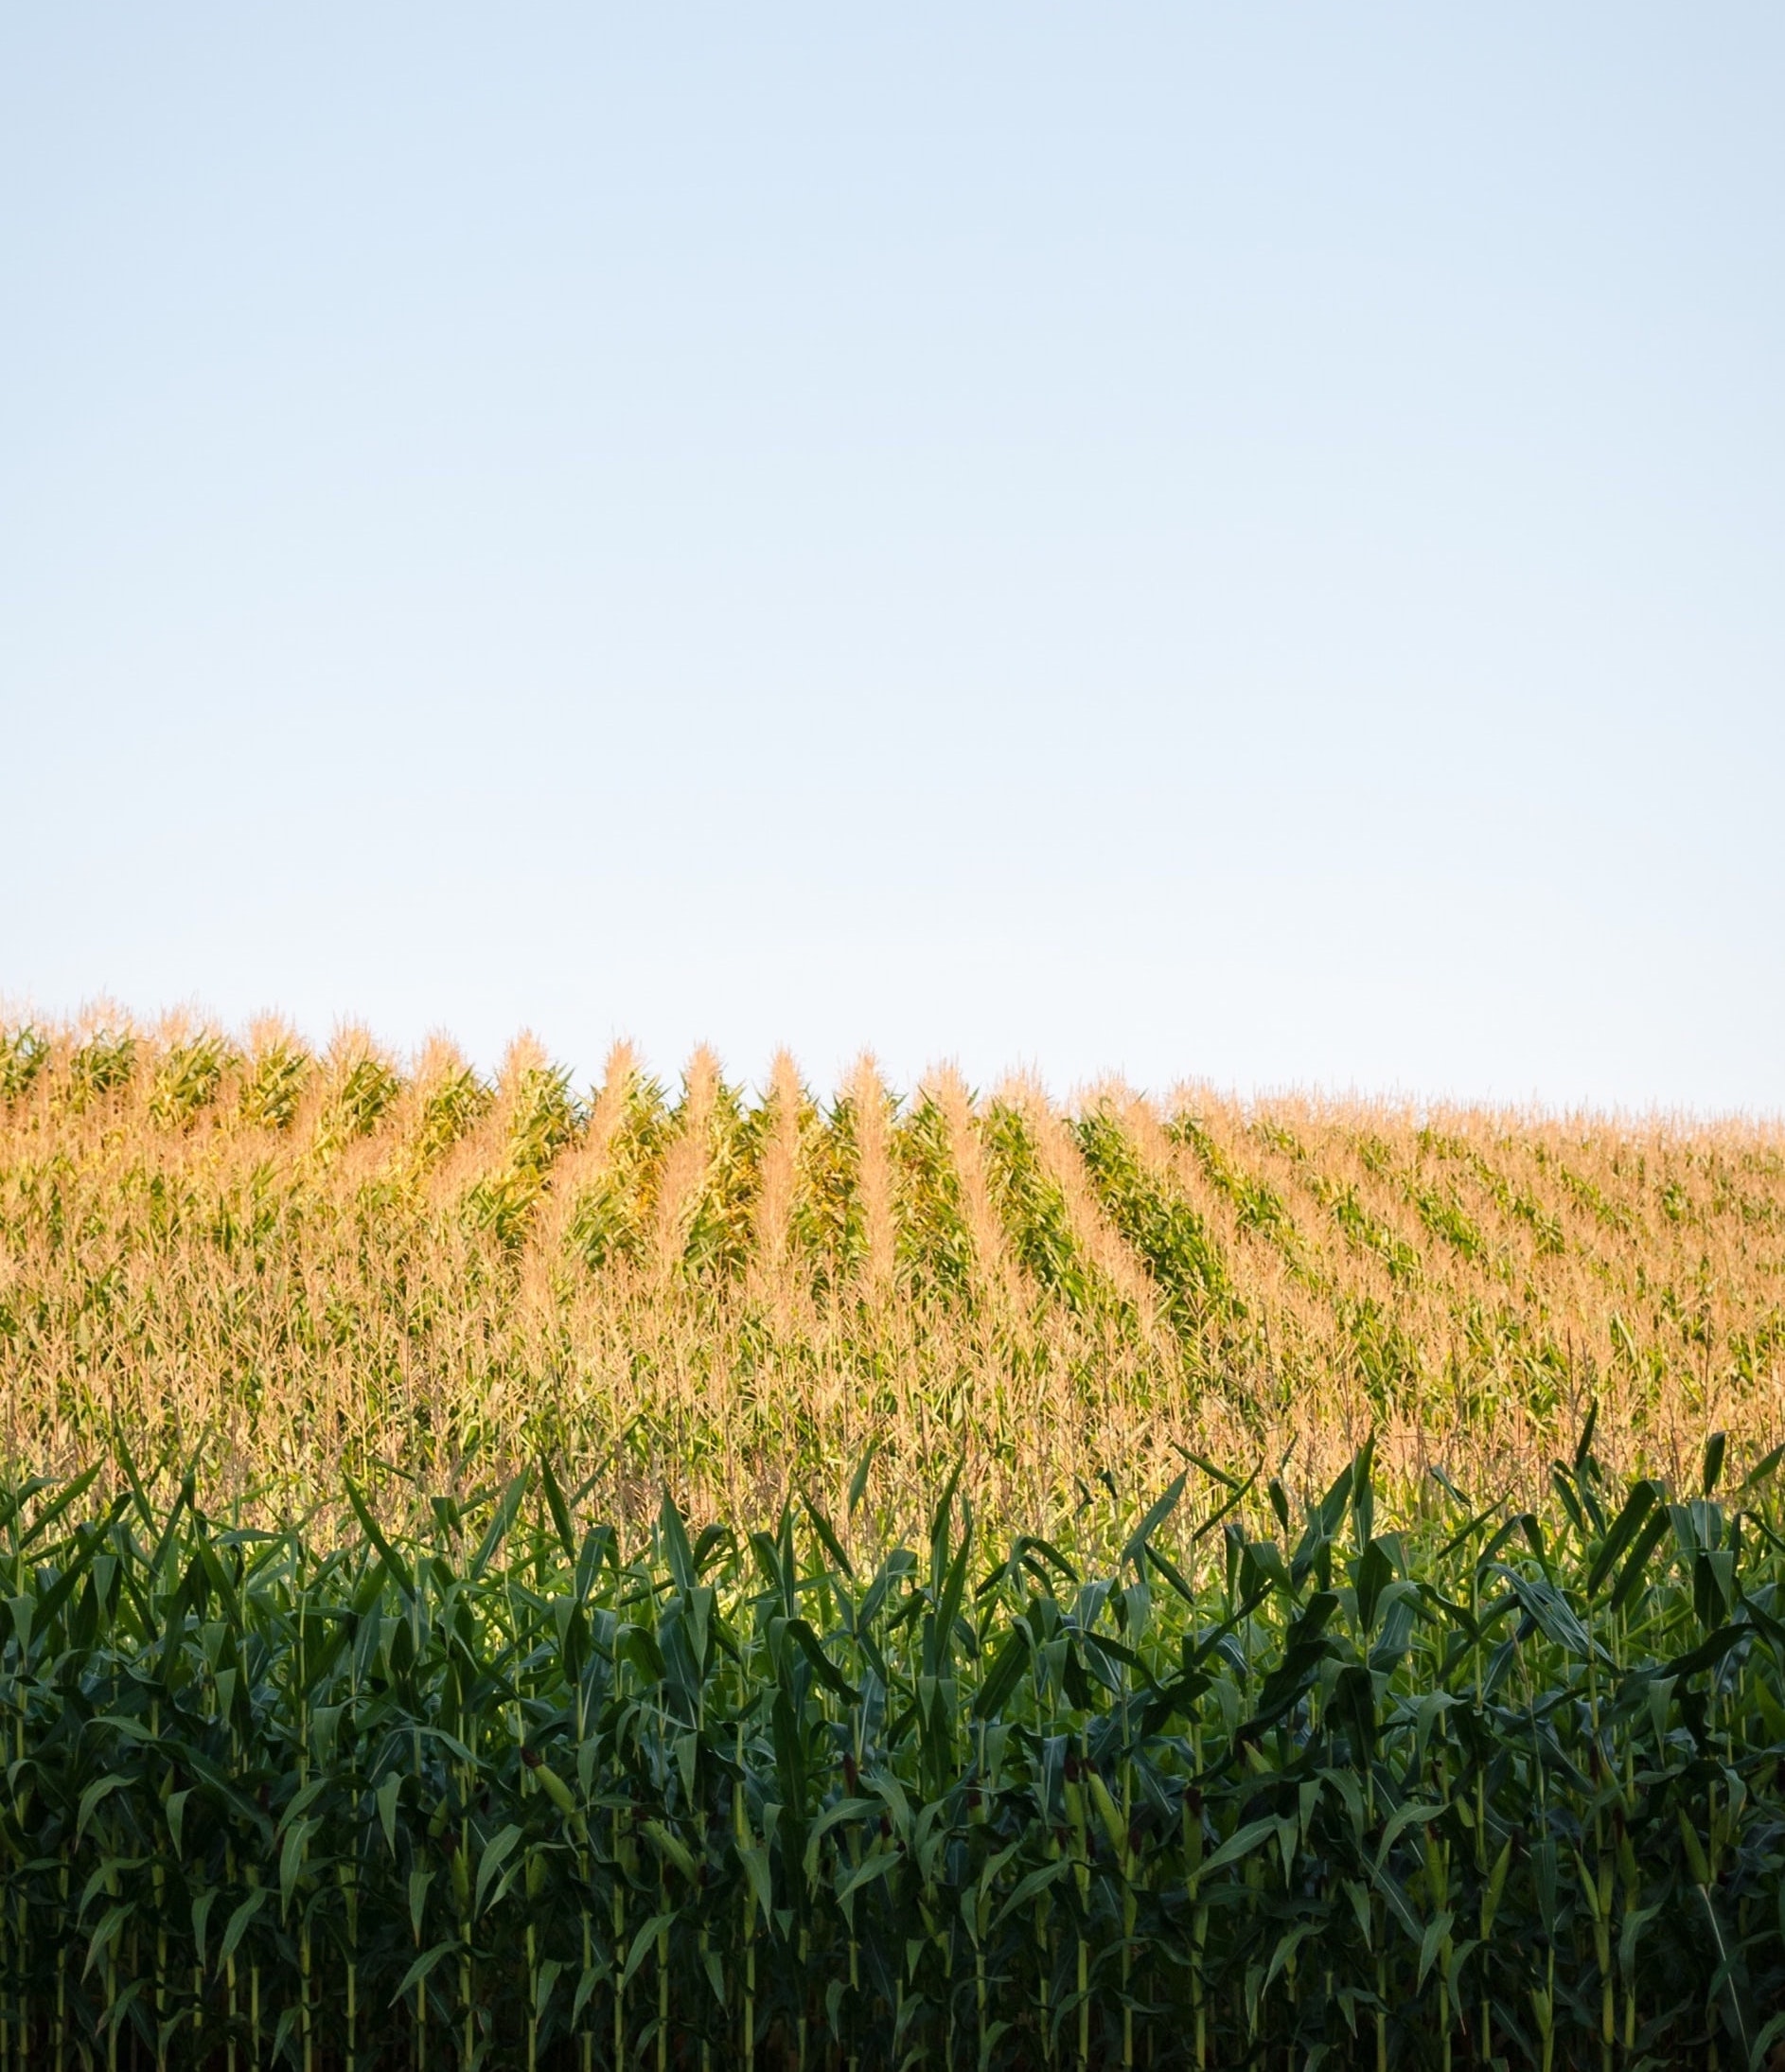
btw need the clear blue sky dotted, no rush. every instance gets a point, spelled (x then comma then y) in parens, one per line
(1245, 542)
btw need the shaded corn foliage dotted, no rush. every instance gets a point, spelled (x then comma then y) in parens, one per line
(1363, 1230)
(1036, 1215)
(544, 1116)
(188, 1078)
(1256, 1204)
(829, 1229)
(1479, 1788)
(449, 1112)
(1166, 1231)
(102, 1065)
(935, 1244)
(365, 1089)
(270, 1099)
(23, 1053)
(720, 1225)
(608, 1220)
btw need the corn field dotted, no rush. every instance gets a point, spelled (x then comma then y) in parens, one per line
(884, 1720)
(291, 1267)
(1489, 1787)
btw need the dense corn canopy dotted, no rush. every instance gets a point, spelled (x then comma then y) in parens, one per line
(290, 1265)
(516, 1790)
(340, 1734)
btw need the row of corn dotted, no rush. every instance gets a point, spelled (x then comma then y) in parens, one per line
(195, 1233)
(1491, 1788)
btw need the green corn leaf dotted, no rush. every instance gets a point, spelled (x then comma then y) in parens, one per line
(1710, 1652)
(1584, 1446)
(844, 1810)
(1763, 1468)
(826, 1671)
(1630, 1576)
(559, 1512)
(1496, 1885)
(1430, 1942)
(1695, 1858)
(644, 1943)
(1240, 1843)
(1285, 1948)
(291, 1856)
(422, 1968)
(302, 1800)
(419, 1883)
(201, 1918)
(368, 1525)
(100, 1789)
(878, 1862)
(859, 1480)
(507, 1510)
(592, 1978)
(105, 1935)
(236, 1927)
(675, 1539)
(1003, 1676)
(66, 1497)
(1552, 1614)
(831, 1544)
(1759, 2050)
(1725, 1983)
(1644, 1496)
(671, 1849)
(495, 1854)
(754, 1859)
(386, 1797)
(551, 1971)
(1135, 1551)
(1030, 1887)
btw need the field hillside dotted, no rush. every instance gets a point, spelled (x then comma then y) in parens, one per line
(280, 1263)
(503, 1573)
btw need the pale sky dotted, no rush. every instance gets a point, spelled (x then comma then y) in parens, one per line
(1245, 543)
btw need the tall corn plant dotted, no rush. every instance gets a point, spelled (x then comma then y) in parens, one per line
(1473, 1787)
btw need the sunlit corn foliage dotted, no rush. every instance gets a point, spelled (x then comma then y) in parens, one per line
(298, 1265)
(1489, 1787)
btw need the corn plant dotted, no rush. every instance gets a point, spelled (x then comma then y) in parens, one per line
(306, 1267)
(188, 1078)
(23, 1053)
(1481, 1786)
(1163, 1229)
(274, 1087)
